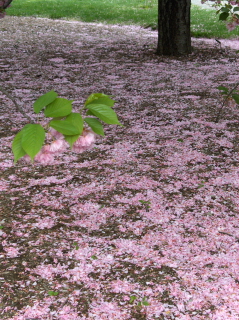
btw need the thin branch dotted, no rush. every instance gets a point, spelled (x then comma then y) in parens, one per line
(224, 102)
(219, 42)
(19, 108)
(230, 235)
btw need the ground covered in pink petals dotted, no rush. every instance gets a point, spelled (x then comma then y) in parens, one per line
(145, 225)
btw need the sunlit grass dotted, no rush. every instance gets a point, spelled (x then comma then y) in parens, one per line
(204, 23)
(140, 12)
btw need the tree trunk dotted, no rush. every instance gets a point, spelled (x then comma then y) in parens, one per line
(6, 3)
(174, 36)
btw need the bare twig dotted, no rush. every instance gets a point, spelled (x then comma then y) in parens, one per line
(19, 108)
(219, 42)
(230, 235)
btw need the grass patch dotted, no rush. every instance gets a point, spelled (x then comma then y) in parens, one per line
(139, 12)
(204, 22)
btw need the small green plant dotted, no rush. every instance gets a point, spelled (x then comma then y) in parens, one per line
(75, 244)
(66, 128)
(132, 299)
(234, 93)
(144, 302)
(145, 203)
(2, 224)
(229, 96)
(201, 185)
(140, 303)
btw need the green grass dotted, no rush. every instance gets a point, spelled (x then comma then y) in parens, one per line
(204, 23)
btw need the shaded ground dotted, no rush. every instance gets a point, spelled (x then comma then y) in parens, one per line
(145, 225)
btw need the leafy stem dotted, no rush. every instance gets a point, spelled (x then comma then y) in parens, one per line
(228, 95)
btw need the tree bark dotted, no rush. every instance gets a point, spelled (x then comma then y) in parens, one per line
(6, 4)
(174, 36)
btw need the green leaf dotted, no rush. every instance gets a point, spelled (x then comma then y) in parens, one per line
(96, 96)
(103, 100)
(235, 96)
(222, 88)
(71, 139)
(94, 257)
(53, 293)
(89, 113)
(145, 201)
(201, 185)
(95, 125)
(224, 9)
(1, 227)
(76, 245)
(235, 9)
(17, 149)
(65, 127)
(132, 299)
(60, 107)
(104, 113)
(76, 120)
(144, 302)
(223, 16)
(44, 100)
(32, 139)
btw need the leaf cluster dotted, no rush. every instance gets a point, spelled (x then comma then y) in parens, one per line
(31, 138)
(226, 11)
